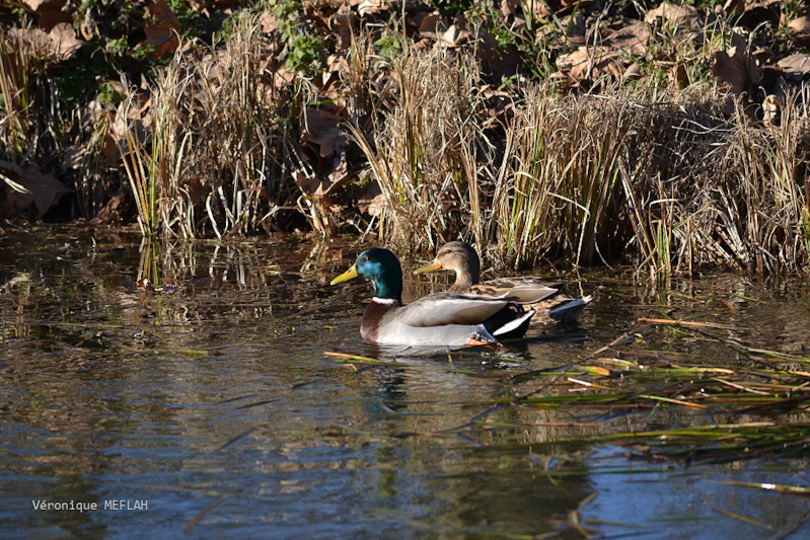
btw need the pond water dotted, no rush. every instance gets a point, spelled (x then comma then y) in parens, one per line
(208, 406)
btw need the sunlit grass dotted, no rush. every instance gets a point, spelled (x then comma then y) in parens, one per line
(206, 158)
(670, 175)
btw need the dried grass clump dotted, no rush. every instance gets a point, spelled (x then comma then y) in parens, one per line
(761, 189)
(671, 184)
(664, 183)
(625, 175)
(548, 185)
(15, 70)
(559, 188)
(209, 153)
(424, 154)
(717, 191)
(28, 108)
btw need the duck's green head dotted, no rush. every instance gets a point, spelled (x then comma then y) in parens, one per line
(380, 266)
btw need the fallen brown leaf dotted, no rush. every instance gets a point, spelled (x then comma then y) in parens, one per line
(680, 76)
(432, 26)
(455, 36)
(268, 21)
(675, 15)
(342, 22)
(510, 8)
(372, 201)
(35, 5)
(64, 40)
(56, 46)
(800, 31)
(591, 64)
(24, 187)
(283, 78)
(320, 188)
(736, 67)
(795, 66)
(630, 35)
(372, 7)
(321, 128)
(162, 28)
(49, 12)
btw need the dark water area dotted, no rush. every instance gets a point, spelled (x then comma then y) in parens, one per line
(208, 407)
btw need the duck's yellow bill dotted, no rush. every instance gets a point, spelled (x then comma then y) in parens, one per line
(351, 273)
(432, 267)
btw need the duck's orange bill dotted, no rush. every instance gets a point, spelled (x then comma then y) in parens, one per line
(432, 267)
(351, 273)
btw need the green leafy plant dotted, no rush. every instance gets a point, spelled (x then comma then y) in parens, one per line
(304, 47)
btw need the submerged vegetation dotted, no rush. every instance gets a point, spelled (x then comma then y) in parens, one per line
(673, 136)
(750, 404)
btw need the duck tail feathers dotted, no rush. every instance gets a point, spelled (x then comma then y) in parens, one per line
(516, 327)
(570, 310)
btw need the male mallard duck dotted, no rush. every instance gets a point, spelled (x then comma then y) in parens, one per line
(462, 259)
(443, 319)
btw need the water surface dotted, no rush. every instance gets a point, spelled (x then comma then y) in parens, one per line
(207, 406)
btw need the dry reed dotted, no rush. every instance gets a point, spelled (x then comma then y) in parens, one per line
(591, 179)
(655, 175)
(210, 153)
(424, 156)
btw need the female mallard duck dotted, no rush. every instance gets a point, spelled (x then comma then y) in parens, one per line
(461, 258)
(443, 319)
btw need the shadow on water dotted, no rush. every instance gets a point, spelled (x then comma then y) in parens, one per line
(202, 403)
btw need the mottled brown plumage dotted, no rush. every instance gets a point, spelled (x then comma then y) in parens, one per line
(552, 306)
